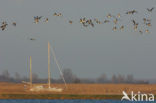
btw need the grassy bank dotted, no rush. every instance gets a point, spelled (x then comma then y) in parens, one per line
(74, 91)
(57, 96)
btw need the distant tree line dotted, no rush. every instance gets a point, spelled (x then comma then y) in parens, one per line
(71, 78)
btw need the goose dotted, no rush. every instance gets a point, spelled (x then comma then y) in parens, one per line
(4, 25)
(148, 24)
(140, 32)
(32, 39)
(134, 11)
(106, 21)
(88, 21)
(131, 12)
(14, 23)
(46, 20)
(114, 28)
(115, 21)
(92, 24)
(70, 22)
(147, 31)
(55, 14)
(134, 23)
(144, 19)
(135, 28)
(128, 12)
(82, 20)
(37, 18)
(122, 27)
(150, 10)
(97, 21)
(118, 15)
(4, 22)
(84, 24)
(59, 14)
(109, 16)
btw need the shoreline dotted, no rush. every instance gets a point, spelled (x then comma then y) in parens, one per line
(58, 96)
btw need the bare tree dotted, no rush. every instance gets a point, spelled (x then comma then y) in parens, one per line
(121, 78)
(17, 76)
(130, 78)
(24, 78)
(114, 79)
(77, 80)
(68, 75)
(35, 77)
(102, 78)
(6, 74)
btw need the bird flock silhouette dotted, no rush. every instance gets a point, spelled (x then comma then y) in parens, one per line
(86, 22)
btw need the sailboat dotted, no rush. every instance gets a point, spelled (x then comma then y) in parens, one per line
(49, 74)
(41, 87)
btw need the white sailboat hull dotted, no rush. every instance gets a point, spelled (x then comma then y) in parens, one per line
(41, 88)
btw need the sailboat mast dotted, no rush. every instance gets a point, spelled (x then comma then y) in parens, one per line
(30, 72)
(49, 64)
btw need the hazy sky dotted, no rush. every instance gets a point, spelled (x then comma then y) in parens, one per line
(89, 52)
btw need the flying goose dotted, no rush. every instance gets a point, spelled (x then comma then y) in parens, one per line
(97, 21)
(82, 20)
(148, 24)
(118, 15)
(92, 24)
(150, 10)
(147, 31)
(4, 25)
(84, 24)
(115, 21)
(37, 18)
(140, 32)
(55, 14)
(59, 14)
(70, 22)
(32, 39)
(122, 27)
(114, 28)
(89, 21)
(14, 23)
(134, 23)
(106, 21)
(46, 20)
(109, 16)
(131, 12)
(146, 20)
(135, 28)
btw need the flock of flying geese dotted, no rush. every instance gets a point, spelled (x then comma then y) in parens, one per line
(91, 22)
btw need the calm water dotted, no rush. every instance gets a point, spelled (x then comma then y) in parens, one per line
(66, 101)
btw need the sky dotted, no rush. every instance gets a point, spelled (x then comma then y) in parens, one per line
(89, 52)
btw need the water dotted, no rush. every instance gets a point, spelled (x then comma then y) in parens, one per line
(64, 101)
